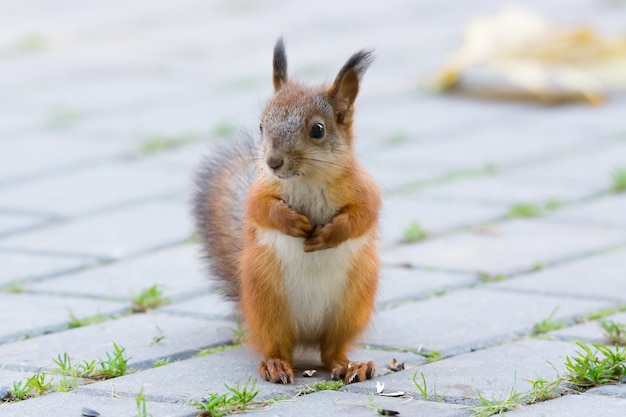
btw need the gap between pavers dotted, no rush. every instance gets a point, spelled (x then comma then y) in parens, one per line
(590, 331)
(434, 217)
(492, 372)
(607, 211)
(91, 189)
(195, 378)
(506, 248)
(177, 271)
(28, 315)
(574, 406)
(64, 404)
(146, 338)
(600, 275)
(400, 285)
(340, 403)
(469, 319)
(20, 267)
(111, 235)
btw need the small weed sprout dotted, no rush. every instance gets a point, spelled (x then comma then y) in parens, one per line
(21, 390)
(160, 362)
(114, 365)
(606, 312)
(588, 369)
(543, 389)
(525, 210)
(216, 349)
(149, 299)
(236, 399)
(38, 383)
(423, 388)
(487, 277)
(142, 408)
(78, 322)
(489, 407)
(619, 180)
(414, 233)
(158, 143)
(547, 324)
(615, 332)
(321, 386)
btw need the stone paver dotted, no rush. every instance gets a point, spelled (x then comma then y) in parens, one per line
(208, 306)
(465, 319)
(601, 275)
(146, 338)
(25, 315)
(111, 234)
(10, 222)
(330, 403)
(40, 154)
(86, 190)
(461, 378)
(126, 278)
(574, 406)
(506, 248)
(72, 403)
(590, 331)
(107, 111)
(18, 267)
(397, 285)
(607, 212)
(435, 217)
(593, 168)
(506, 189)
(206, 374)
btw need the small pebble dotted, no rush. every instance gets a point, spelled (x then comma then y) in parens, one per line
(5, 394)
(88, 412)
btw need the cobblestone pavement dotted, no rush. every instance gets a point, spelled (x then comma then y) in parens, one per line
(106, 110)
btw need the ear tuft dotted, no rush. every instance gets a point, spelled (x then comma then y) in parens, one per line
(359, 63)
(280, 65)
(346, 85)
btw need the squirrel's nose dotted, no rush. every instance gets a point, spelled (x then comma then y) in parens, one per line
(274, 162)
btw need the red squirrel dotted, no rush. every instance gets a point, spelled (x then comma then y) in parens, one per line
(289, 223)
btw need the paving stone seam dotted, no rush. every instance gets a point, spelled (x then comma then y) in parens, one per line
(95, 258)
(171, 195)
(514, 272)
(566, 295)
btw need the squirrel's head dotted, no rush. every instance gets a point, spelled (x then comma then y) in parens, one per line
(307, 131)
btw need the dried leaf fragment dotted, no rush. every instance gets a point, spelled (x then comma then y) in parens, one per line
(309, 373)
(385, 412)
(396, 366)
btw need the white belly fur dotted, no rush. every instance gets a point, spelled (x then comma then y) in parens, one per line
(314, 282)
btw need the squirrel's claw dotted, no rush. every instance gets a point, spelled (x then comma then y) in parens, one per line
(354, 372)
(276, 370)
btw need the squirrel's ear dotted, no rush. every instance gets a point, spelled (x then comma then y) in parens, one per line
(346, 86)
(280, 65)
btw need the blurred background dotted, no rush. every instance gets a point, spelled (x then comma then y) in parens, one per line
(107, 107)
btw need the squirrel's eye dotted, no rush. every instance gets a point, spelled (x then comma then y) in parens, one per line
(261, 127)
(317, 131)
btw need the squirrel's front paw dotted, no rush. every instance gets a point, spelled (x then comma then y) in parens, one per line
(276, 370)
(294, 224)
(321, 238)
(354, 372)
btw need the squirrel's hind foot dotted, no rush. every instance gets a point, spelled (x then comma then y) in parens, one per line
(353, 372)
(276, 370)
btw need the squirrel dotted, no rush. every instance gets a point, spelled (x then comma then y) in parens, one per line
(289, 224)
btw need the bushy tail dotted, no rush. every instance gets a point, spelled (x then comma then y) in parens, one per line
(218, 207)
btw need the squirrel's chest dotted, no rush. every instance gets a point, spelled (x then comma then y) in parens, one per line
(314, 283)
(311, 200)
